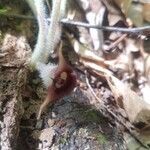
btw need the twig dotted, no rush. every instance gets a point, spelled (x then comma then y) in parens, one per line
(18, 16)
(108, 28)
(92, 91)
(104, 108)
(141, 1)
(136, 30)
(114, 44)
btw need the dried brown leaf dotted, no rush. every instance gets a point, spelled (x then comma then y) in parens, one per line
(124, 5)
(136, 109)
(135, 14)
(45, 136)
(146, 12)
(147, 67)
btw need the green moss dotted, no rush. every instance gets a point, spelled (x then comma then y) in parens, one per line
(85, 114)
(2, 11)
(101, 138)
(92, 115)
(62, 140)
(12, 17)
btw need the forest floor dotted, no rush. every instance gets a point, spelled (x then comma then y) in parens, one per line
(77, 121)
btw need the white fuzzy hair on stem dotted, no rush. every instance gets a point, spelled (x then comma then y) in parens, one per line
(48, 35)
(47, 72)
(32, 6)
(63, 8)
(54, 31)
(38, 53)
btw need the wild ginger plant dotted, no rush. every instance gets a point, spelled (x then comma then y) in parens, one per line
(59, 79)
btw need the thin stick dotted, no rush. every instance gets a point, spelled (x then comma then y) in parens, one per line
(136, 30)
(91, 89)
(114, 44)
(17, 16)
(107, 28)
